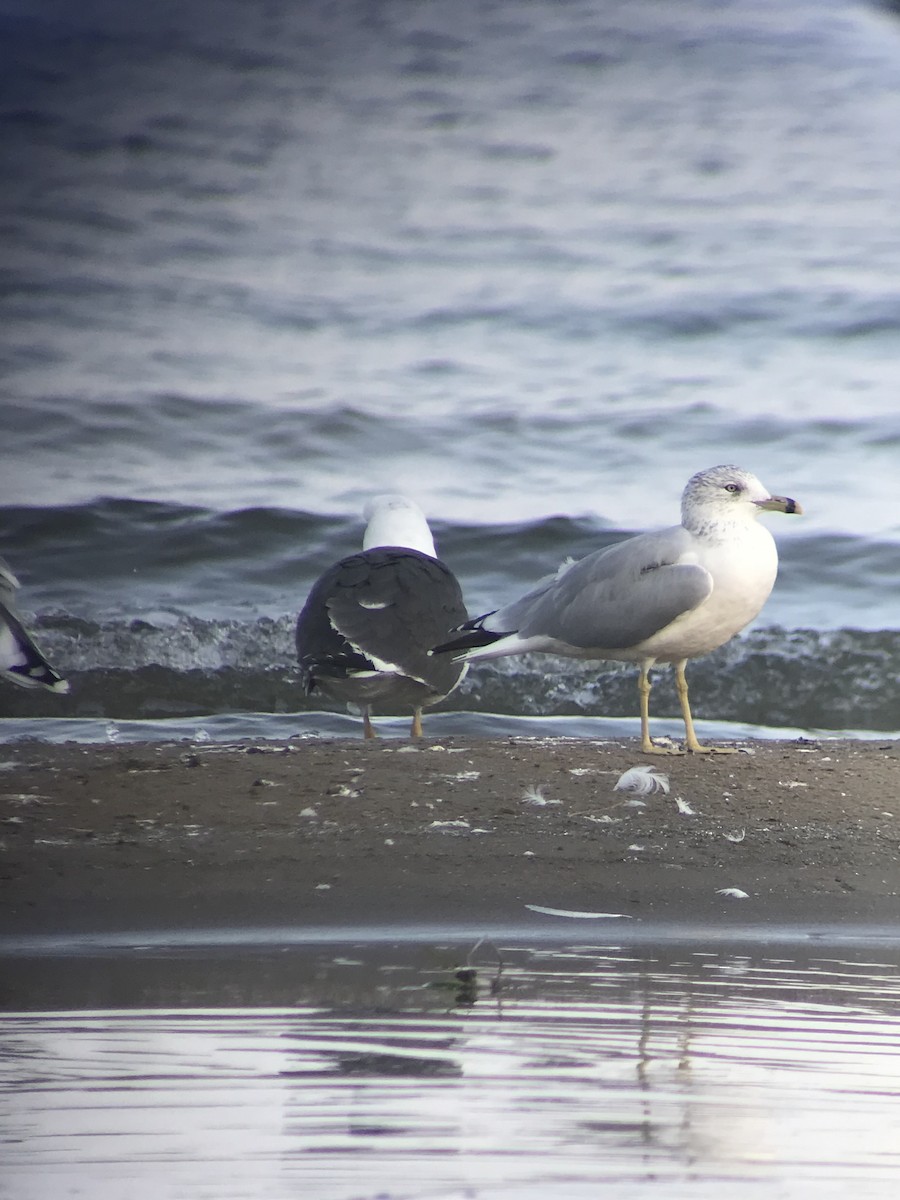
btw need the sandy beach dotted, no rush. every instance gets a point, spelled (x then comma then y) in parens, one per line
(336, 833)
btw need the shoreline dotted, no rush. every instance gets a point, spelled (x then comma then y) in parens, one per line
(340, 834)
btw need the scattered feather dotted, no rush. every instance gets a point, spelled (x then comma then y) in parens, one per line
(462, 776)
(736, 837)
(576, 912)
(606, 819)
(791, 783)
(582, 770)
(684, 808)
(734, 893)
(637, 847)
(460, 824)
(634, 804)
(535, 795)
(643, 780)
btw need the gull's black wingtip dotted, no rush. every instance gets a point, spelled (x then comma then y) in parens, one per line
(472, 637)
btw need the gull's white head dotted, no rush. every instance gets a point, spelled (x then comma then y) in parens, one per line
(395, 520)
(728, 494)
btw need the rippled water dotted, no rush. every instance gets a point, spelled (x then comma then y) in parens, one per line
(679, 1068)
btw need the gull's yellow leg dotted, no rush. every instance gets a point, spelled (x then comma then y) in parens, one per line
(690, 737)
(368, 727)
(647, 746)
(644, 693)
(416, 730)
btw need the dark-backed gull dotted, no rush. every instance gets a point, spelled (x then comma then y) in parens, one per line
(365, 631)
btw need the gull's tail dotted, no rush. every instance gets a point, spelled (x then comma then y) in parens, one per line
(472, 636)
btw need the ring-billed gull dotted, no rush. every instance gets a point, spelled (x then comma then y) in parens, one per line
(20, 660)
(365, 631)
(665, 596)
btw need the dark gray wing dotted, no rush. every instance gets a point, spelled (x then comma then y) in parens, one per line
(616, 598)
(378, 610)
(321, 650)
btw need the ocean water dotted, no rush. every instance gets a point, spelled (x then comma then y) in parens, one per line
(533, 263)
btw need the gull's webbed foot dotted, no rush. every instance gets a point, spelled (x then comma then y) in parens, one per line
(696, 748)
(652, 748)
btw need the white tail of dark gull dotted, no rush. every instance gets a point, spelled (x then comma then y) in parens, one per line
(364, 634)
(21, 661)
(665, 596)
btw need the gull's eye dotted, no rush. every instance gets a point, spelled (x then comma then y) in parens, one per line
(732, 487)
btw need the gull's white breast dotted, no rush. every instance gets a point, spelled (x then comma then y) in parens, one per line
(743, 562)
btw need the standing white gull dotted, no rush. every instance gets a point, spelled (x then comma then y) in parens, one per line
(365, 631)
(664, 596)
(20, 660)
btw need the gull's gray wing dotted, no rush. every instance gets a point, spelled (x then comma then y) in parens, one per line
(615, 598)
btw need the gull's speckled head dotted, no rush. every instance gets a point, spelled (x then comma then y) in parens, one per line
(728, 492)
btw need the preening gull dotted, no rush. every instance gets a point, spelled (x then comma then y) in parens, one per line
(665, 596)
(365, 631)
(20, 660)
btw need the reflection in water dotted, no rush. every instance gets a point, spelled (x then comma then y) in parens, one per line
(422, 1071)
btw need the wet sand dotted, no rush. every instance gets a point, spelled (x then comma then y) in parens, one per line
(346, 833)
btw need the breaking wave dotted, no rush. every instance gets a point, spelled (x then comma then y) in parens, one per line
(181, 665)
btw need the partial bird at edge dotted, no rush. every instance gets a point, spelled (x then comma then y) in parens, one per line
(21, 662)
